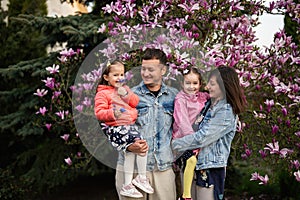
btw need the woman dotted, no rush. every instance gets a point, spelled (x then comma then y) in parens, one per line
(215, 133)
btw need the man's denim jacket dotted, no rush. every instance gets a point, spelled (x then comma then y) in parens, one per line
(214, 137)
(155, 118)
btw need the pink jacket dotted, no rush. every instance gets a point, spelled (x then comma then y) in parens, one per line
(186, 109)
(107, 99)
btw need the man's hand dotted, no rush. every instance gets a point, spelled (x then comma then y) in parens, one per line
(138, 147)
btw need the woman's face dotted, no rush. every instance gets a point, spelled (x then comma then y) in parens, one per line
(191, 83)
(214, 89)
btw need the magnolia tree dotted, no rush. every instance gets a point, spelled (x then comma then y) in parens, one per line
(206, 34)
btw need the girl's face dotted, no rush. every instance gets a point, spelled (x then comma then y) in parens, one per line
(214, 89)
(115, 76)
(191, 83)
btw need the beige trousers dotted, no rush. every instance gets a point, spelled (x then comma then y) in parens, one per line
(163, 183)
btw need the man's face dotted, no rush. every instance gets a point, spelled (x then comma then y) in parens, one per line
(152, 73)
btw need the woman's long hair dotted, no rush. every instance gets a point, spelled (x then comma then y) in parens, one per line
(229, 83)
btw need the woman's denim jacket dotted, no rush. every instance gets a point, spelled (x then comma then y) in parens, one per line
(155, 118)
(214, 137)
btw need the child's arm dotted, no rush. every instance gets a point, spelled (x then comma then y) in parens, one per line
(181, 118)
(103, 111)
(128, 96)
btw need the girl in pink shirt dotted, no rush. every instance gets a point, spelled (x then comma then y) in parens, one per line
(188, 104)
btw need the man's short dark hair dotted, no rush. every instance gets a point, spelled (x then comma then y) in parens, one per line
(155, 54)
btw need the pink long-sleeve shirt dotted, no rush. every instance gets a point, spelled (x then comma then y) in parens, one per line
(186, 109)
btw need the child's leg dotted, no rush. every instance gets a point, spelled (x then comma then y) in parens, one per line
(188, 175)
(141, 181)
(141, 162)
(129, 159)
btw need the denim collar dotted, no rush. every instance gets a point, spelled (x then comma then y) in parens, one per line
(145, 90)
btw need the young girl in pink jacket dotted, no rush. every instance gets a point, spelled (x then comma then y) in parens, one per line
(115, 106)
(188, 104)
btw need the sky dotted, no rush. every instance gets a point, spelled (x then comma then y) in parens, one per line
(270, 24)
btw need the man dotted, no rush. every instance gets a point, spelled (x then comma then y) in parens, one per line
(155, 119)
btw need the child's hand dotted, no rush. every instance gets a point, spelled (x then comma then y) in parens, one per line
(117, 113)
(199, 119)
(122, 91)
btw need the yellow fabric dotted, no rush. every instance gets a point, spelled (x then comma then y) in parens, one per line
(188, 176)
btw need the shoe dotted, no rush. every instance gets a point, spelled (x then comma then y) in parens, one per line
(130, 191)
(143, 183)
(181, 198)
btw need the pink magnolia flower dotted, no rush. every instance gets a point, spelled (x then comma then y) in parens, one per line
(42, 111)
(79, 108)
(255, 176)
(41, 92)
(68, 53)
(271, 6)
(108, 8)
(236, 7)
(56, 94)
(269, 104)
(68, 161)
(65, 54)
(49, 82)
(275, 129)
(61, 114)
(295, 164)
(87, 86)
(297, 175)
(102, 28)
(87, 101)
(65, 137)
(297, 133)
(283, 152)
(259, 115)
(288, 123)
(48, 126)
(240, 126)
(73, 87)
(144, 13)
(128, 75)
(248, 152)
(263, 153)
(189, 8)
(264, 180)
(274, 149)
(282, 88)
(284, 111)
(54, 69)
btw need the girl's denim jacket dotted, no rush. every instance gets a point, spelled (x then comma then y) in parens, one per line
(214, 137)
(155, 118)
